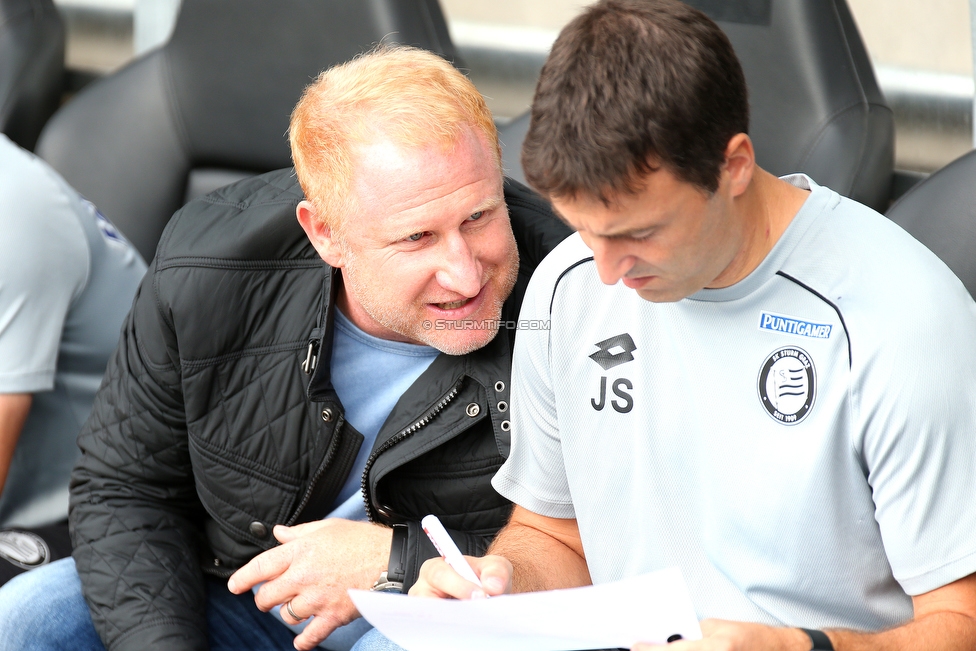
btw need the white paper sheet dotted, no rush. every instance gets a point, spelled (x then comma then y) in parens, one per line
(647, 608)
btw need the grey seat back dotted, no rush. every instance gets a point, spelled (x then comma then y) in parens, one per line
(940, 212)
(212, 105)
(814, 101)
(31, 67)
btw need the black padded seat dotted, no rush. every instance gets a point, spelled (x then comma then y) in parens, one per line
(940, 212)
(512, 135)
(212, 105)
(31, 67)
(814, 101)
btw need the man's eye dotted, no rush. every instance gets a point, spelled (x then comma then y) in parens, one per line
(416, 237)
(477, 215)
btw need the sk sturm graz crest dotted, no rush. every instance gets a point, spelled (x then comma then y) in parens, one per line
(788, 385)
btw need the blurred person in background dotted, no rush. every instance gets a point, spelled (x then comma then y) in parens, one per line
(67, 278)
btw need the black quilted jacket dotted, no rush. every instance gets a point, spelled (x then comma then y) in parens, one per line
(217, 418)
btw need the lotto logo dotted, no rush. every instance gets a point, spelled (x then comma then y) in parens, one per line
(614, 351)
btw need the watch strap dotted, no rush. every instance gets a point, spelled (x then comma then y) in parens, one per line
(391, 580)
(397, 568)
(819, 639)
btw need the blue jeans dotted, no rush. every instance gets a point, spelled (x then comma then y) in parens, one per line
(44, 610)
(375, 641)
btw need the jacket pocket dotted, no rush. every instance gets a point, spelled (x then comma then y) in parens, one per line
(245, 498)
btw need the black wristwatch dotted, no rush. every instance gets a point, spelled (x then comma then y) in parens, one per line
(819, 639)
(392, 579)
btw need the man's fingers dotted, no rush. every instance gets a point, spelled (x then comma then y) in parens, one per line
(495, 573)
(434, 573)
(272, 563)
(285, 534)
(278, 591)
(317, 630)
(293, 612)
(438, 579)
(263, 567)
(326, 618)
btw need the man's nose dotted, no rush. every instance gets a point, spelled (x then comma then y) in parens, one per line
(460, 270)
(612, 264)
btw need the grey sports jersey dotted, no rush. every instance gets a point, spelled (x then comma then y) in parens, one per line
(66, 282)
(801, 444)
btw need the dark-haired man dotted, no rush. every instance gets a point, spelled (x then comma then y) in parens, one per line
(753, 379)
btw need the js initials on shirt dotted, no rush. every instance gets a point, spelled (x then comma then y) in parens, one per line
(613, 352)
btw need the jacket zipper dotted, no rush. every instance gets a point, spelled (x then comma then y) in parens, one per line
(401, 435)
(333, 445)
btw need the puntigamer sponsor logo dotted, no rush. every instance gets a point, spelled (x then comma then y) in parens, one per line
(793, 326)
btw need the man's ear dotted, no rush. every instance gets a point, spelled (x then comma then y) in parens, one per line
(319, 234)
(740, 163)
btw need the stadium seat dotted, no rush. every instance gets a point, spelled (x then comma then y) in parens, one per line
(212, 105)
(940, 212)
(31, 67)
(815, 104)
(512, 135)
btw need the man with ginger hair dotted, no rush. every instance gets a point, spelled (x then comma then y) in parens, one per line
(321, 384)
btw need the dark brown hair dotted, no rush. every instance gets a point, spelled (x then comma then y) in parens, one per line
(631, 84)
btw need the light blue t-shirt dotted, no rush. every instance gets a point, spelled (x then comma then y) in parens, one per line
(369, 375)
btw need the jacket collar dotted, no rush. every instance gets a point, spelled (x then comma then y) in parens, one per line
(320, 387)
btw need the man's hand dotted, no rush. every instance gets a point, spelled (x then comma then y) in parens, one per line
(438, 579)
(722, 635)
(312, 569)
(547, 553)
(945, 620)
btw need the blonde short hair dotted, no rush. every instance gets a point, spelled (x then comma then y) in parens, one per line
(413, 96)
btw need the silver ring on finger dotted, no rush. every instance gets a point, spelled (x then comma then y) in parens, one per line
(292, 613)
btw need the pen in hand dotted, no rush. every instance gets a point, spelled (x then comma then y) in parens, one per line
(447, 549)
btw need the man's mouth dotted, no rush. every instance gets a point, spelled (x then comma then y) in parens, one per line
(453, 305)
(638, 282)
